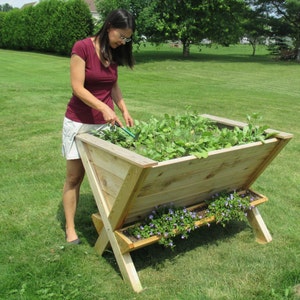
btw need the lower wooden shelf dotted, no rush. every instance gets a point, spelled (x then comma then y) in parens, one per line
(129, 244)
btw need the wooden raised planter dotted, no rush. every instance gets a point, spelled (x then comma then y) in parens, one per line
(128, 186)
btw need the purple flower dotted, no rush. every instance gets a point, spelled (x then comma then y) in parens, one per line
(151, 217)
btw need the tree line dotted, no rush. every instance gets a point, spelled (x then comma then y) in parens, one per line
(54, 25)
(50, 26)
(223, 22)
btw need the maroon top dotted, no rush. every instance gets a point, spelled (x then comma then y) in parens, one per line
(99, 80)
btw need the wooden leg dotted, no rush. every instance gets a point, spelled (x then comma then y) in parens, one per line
(125, 262)
(97, 222)
(102, 242)
(261, 231)
(128, 270)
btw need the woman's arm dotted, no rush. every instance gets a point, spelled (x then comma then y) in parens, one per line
(77, 73)
(119, 101)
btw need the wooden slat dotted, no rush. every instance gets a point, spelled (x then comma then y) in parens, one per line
(97, 222)
(232, 123)
(110, 184)
(126, 196)
(139, 212)
(224, 121)
(228, 170)
(118, 151)
(280, 134)
(271, 156)
(108, 162)
(233, 162)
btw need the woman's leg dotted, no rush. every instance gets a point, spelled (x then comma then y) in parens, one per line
(74, 177)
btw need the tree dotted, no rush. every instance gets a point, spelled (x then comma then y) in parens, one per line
(225, 20)
(186, 20)
(255, 25)
(284, 19)
(143, 10)
(5, 7)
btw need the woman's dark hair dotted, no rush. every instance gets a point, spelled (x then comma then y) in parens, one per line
(122, 55)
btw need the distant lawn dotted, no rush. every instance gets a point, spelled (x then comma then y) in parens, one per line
(214, 263)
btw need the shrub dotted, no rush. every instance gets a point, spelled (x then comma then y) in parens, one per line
(50, 26)
(283, 48)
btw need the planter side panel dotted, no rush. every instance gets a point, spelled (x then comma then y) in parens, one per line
(111, 172)
(193, 180)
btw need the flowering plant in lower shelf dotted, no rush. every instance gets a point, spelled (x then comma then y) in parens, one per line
(167, 221)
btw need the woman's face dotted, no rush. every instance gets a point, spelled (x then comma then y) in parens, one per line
(118, 37)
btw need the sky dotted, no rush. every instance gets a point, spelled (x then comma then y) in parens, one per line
(16, 3)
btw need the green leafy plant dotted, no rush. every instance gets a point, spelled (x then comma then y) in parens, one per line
(183, 135)
(226, 207)
(167, 221)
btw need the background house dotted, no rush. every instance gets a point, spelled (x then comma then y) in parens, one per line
(93, 10)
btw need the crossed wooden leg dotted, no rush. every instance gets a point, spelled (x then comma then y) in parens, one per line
(260, 229)
(124, 260)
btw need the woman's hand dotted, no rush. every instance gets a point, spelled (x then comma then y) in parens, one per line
(128, 120)
(110, 116)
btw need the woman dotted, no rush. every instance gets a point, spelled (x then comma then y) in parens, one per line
(93, 70)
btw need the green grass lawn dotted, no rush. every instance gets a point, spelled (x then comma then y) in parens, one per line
(214, 263)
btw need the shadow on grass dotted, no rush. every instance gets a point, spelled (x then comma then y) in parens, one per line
(163, 55)
(84, 225)
(154, 255)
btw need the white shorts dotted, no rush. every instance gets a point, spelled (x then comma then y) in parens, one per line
(70, 130)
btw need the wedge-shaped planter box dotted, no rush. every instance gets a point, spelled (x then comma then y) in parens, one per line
(127, 186)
